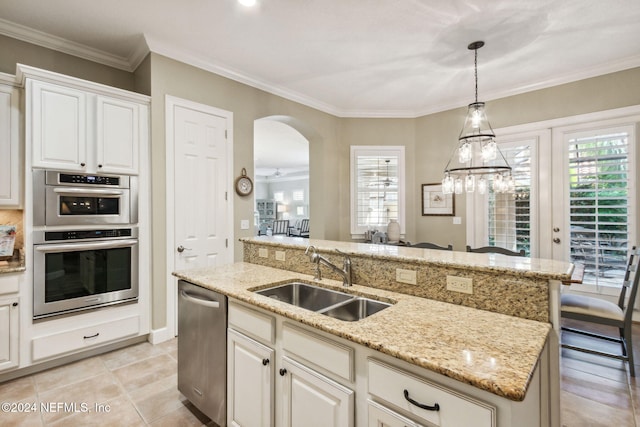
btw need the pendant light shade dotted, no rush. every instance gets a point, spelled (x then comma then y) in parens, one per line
(477, 153)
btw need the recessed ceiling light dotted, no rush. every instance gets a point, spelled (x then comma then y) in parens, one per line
(247, 3)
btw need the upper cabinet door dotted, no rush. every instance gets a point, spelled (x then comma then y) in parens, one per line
(118, 135)
(10, 164)
(57, 122)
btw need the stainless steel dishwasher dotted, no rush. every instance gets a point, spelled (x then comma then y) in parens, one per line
(202, 349)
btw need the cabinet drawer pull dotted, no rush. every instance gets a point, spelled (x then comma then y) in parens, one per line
(283, 372)
(265, 362)
(435, 407)
(91, 336)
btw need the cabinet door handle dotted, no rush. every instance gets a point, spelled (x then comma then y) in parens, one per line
(265, 362)
(99, 166)
(83, 164)
(283, 372)
(435, 407)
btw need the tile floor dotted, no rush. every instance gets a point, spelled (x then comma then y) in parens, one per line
(138, 387)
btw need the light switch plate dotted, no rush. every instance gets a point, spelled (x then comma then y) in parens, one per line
(244, 224)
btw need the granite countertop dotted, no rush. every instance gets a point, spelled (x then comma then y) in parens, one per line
(491, 351)
(14, 264)
(529, 267)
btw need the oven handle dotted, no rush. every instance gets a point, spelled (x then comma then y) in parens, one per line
(87, 192)
(66, 247)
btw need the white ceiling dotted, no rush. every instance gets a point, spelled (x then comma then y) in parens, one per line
(356, 58)
(279, 151)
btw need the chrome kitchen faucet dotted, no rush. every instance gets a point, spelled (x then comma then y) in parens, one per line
(316, 258)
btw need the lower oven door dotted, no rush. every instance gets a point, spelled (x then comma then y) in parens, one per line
(80, 276)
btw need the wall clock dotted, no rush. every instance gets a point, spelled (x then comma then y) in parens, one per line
(244, 185)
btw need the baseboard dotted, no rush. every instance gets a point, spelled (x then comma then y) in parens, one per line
(156, 336)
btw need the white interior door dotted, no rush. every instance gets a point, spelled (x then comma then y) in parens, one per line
(200, 188)
(199, 214)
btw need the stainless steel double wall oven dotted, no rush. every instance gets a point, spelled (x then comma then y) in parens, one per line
(85, 241)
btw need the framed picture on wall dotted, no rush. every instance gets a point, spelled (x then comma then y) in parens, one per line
(434, 202)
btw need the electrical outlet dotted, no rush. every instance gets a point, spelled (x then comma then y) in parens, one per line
(460, 284)
(280, 255)
(244, 224)
(406, 276)
(263, 253)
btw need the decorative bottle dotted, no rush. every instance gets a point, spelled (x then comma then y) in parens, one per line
(393, 231)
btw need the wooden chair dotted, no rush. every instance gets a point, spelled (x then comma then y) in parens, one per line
(302, 230)
(495, 250)
(601, 312)
(427, 245)
(280, 226)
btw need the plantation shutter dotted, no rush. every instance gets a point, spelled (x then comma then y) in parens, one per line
(510, 213)
(599, 205)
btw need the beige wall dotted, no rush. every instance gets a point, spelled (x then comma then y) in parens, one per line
(169, 77)
(429, 140)
(17, 52)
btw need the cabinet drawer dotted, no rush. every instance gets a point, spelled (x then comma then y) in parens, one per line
(85, 337)
(314, 348)
(455, 409)
(251, 322)
(9, 283)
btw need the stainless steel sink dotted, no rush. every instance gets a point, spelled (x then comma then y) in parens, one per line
(356, 309)
(336, 304)
(300, 294)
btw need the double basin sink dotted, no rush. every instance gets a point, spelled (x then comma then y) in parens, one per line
(336, 304)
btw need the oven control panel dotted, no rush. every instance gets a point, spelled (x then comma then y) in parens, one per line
(87, 234)
(89, 179)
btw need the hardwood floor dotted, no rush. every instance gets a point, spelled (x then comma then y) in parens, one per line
(136, 386)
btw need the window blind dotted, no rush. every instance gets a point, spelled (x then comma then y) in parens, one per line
(599, 205)
(377, 190)
(510, 213)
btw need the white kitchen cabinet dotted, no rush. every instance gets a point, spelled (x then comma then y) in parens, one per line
(9, 332)
(10, 164)
(311, 399)
(75, 128)
(250, 378)
(57, 124)
(305, 396)
(117, 135)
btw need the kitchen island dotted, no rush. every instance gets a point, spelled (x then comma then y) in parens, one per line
(500, 360)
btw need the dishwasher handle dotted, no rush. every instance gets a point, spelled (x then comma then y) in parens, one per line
(200, 301)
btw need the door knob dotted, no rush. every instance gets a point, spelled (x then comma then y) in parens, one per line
(556, 240)
(182, 249)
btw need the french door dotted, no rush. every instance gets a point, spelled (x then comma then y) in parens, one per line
(575, 197)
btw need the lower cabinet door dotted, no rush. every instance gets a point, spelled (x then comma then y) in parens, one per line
(9, 330)
(381, 416)
(249, 382)
(312, 400)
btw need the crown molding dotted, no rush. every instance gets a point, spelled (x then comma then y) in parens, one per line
(39, 38)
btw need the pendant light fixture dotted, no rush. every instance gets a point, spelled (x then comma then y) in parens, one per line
(477, 157)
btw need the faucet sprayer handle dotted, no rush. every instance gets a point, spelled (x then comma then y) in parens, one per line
(313, 257)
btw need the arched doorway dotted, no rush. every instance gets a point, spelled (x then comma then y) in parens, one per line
(281, 173)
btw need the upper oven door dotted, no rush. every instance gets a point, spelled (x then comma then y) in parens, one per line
(79, 206)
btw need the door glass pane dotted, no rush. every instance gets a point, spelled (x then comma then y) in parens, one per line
(599, 205)
(510, 213)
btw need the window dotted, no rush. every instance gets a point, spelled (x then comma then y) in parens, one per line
(297, 195)
(600, 203)
(377, 188)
